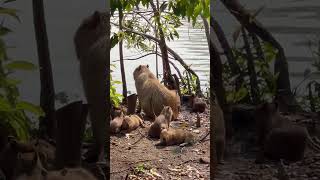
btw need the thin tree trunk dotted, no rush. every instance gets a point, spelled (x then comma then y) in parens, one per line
(216, 72)
(281, 64)
(179, 73)
(48, 123)
(234, 66)
(206, 29)
(107, 149)
(168, 79)
(123, 74)
(251, 70)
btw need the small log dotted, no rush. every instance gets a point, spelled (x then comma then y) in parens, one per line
(71, 120)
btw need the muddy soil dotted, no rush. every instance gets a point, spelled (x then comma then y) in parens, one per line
(135, 156)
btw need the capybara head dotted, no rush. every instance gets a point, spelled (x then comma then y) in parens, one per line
(164, 136)
(167, 112)
(139, 70)
(90, 30)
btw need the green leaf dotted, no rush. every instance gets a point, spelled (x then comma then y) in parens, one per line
(23, 105)
(7, 1)
(117, 82)
(4, 30)
(5, 105)
(241, 93)
(20, 65)
(197, 10)
(12, 81)
(10, 12)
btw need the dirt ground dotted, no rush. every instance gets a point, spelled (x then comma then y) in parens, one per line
(239, 164)
(135, 156)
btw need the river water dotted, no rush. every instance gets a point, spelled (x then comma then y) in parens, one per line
(192, 46)
(292, 22)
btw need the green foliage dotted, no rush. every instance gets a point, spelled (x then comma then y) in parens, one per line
(266, 79)
(234, 96)
(140, 168)
(115, 97)
(12, 108)
(88, 135)
(313, 86)
(170, 19)
(190, 8)
(193, 83)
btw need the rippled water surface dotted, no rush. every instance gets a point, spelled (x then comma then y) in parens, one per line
(192, 46)
(292, 22)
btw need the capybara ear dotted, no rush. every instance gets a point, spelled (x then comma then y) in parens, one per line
(139, 67)
(96, 18)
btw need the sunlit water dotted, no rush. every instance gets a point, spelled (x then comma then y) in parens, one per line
(293, 23)
(192, 46)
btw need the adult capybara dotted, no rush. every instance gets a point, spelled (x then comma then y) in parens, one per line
(279, 138)
(152, 95)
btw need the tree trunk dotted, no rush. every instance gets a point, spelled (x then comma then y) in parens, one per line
(107, 149)
(251, 70)
(281, 64)
(123, 74)
(71, 121)
(235, 68)
(47, 123)
(216, 72)
(167, 77)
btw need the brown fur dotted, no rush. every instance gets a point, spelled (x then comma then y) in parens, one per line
(169, 137)
(91, 48)
(161, 122)
(217, 117)
(116, 123)
(131, 123)
(278, 138)
(197, 104)
(151, 92)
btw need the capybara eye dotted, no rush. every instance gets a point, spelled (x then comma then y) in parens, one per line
(147, 65)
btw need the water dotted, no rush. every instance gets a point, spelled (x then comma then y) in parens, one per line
(62, 21)
(192, 46)
(293, 23)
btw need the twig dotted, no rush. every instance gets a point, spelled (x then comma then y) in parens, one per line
(184, 162)
(204, 136)
(142, 136)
